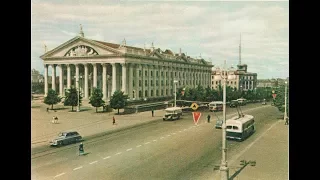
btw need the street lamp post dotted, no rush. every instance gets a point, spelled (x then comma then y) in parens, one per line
(224, 170)
(78, 93)
(285, 102)
(175, 92)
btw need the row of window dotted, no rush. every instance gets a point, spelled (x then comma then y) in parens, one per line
(228, 82)
(179, 74)
(152, 93)
(181, 82)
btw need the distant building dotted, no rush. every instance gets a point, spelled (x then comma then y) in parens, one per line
(36, 77)
(244, 80)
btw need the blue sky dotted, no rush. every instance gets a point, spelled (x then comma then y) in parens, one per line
(207, 28)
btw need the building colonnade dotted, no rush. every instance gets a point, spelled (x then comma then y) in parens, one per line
(136, 80)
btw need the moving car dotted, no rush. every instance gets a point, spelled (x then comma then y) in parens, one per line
(242, 101)
(219, 124)
(172, 113)
(67, 137)
(216, 106)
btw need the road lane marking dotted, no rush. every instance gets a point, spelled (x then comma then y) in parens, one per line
(93, 162)
(107, 157)
(59, 175)
(147, 143)
(185, 129)
(180, 131)
(118, 153)
(77, 168)
(138, 145)
(154, 140)
(162, 137)
(168, 135)
(129, 149)
(173, 133)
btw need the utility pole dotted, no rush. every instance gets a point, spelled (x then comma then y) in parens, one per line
(224, 170)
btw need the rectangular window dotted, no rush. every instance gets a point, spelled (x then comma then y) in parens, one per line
(167, 74)
(157, 83)
(157, 73)
(145, 82)
(161, 92)
(161, 82)
(140, 73)
(146, 73)
(139, 83)
(151, 83)
(151, 73)
(161, 74)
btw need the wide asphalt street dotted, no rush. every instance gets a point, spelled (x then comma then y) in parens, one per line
(159, 150)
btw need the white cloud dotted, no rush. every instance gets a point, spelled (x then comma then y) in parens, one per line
(209, 28)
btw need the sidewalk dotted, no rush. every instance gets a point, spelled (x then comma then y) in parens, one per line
(86, 122)
(271, 153)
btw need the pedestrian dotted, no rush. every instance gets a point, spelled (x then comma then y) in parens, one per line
(208, 117)
(113, 120)
(287, 121)
(152, 112)
(81, 150)
(47, 109)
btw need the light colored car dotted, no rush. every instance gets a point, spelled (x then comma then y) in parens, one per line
(67, 137)
(172, 113)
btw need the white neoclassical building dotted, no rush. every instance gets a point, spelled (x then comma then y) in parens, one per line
(139, 72)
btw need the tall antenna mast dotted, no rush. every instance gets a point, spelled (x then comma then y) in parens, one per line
(240, 51)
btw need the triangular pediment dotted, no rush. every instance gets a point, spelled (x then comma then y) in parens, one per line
(80, 47)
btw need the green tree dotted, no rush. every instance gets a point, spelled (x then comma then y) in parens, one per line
(118, 100)
(52, 98)
(72, 98)
(96, 98)
(279, 101)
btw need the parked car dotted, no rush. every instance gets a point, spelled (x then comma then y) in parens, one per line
(67, 137)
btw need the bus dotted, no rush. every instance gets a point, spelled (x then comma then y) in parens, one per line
(240, 127)
(216, 106)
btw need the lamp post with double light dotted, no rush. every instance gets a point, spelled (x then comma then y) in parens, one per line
(78, 90)
(224, 170)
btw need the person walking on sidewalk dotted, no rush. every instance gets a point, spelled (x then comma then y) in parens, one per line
(287, 121)
(208, 117)
(81, 151)
(113, 121)
(152, 113)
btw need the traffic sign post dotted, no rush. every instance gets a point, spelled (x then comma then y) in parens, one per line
(196, 117)
(194, 106)
(274, 96)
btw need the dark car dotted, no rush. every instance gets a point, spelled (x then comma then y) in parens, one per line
(233, 103)
(65, 138)
(219, 124)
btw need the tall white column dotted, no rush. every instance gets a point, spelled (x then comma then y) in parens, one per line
(160, 79)
(104, 81)
(137, 87)
(94, 75)
(164, 81)
(77, 76)
(153, 69)
(114, 74)
(45, 80)
(61, 91)
(143, 78)
(68, 76)
(86, 88)
(53, 78)
(130, 90)
(124, 78)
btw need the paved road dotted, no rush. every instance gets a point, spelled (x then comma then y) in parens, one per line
(161, 150)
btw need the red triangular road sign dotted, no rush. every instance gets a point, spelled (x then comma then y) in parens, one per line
(196, 117)
(274, 96)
